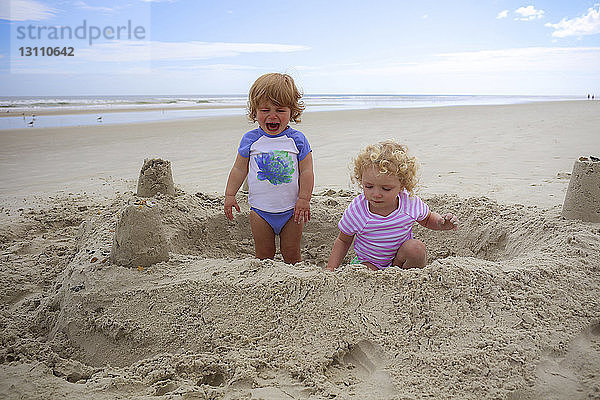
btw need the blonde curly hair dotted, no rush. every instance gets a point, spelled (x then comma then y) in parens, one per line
(280, 90)
(388, 158)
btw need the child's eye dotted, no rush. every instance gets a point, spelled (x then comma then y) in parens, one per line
(387, 189)
(368, 186)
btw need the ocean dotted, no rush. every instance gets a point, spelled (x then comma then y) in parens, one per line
(131, 109)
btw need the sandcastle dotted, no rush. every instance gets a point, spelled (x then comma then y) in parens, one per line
(139, 238)
(155, 177)
(582, 200)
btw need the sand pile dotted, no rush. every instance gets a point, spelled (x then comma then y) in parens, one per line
(139, 238)
(156, 176)
(506, 308)
(582, 200)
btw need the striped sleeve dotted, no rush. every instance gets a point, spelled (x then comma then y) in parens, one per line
(417, 208)
(354, 219)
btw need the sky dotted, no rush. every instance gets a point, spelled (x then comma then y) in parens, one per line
(195, 47)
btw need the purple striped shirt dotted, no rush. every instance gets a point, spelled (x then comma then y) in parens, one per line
(378, 238)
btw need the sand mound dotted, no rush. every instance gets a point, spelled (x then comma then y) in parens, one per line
(506, 308)
(139, 238)
(583, 195)
(155, 177)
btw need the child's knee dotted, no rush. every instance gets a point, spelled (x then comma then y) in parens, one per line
(414, 248)
(412, 254)
(290, 252)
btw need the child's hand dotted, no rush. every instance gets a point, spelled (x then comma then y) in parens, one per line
(230, 202)
(449, 222)
(302, 211)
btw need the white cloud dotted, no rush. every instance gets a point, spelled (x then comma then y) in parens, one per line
(588, 24)
(84, 6)
(129, 51)
(25, 10)
(486, 62)
(502, 14)
(205, 67)
(528, 13)
(522, 59)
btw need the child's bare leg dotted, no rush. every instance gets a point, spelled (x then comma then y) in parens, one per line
(289, 241)
(411, 254)
(264, 237)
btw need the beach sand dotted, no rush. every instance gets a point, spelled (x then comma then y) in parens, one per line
(507, 307)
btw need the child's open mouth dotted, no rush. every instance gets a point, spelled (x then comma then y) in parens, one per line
(273, 126)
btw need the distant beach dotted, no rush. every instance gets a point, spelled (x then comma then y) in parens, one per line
(47, 112)
(511, 152)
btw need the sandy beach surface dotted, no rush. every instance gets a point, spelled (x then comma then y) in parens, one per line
(507, 307)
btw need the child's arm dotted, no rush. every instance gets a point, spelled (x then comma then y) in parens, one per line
(439, 222)
(306, 183)
(238, 173)
(338, 252)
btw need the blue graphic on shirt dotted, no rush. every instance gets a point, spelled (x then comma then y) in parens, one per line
(276, 167)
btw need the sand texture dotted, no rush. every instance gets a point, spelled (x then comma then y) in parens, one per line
(156, 176)
(139, 238)
(506, 308)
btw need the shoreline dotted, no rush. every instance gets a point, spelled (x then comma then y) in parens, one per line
(77, 111)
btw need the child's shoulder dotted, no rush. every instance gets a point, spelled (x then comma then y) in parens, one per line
(294, 133)
(409, 197)
(412, 204)
(252, 134)
(248, 139)
(300, 140)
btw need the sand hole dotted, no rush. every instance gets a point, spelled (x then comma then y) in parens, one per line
(163, 389)
(487, 231)
(207, 233)
(214, 379)
(213, 236)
